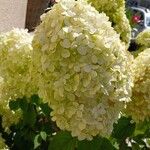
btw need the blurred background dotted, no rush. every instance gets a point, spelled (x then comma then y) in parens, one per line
(22, 13)
(26, 14)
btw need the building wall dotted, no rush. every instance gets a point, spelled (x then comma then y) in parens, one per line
(12, 14)
(35, 9)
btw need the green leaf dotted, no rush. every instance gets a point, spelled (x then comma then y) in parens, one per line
(43, 135)
(23, 104)
(148, 141)
(63, 141)
(147, 133)
(123, 128)
(89, 145)
(106, 145)
(142, 126)
(29, 116)
(45, 109)
(14, 105)
(36, 142)
(35, 99)
(96, 144)
(139, 139)
(135, 146)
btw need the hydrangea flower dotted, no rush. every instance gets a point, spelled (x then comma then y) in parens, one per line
(15, 71)
(82, 68)
(8, 117)
(139, 107)
(143, 41)
(115, 9)
(143, 38)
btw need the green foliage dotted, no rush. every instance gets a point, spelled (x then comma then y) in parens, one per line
(35, 127)
(97, 143)
(129, 136)
(123, 129)
(36, 131)
(63, 141)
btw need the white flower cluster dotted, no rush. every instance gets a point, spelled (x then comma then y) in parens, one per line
(15, 60)
(8, 117)
(143, 38)
(139, 107)
(143, 41)
(83, 68)
(115, 9)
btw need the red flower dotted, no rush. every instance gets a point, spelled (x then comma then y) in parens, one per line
(136, 19)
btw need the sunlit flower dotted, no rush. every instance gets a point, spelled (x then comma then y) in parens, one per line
(143, 38)
(83, 70)
(143, 41)
(15, 73)
(115, 9)
(139, 107)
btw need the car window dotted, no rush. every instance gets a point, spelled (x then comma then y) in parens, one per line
(137, 18)
(148, 21)
(138, 13)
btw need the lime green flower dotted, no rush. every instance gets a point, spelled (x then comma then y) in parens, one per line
(143, 41)
(15, 72)
(143, 38)
(15, 60)
(139, 107)
(115, 9)
(83, 70)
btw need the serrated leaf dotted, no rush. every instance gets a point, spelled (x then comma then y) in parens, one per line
(63, 141)
(43, 135)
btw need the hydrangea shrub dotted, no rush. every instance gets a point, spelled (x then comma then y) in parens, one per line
(83, 74)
